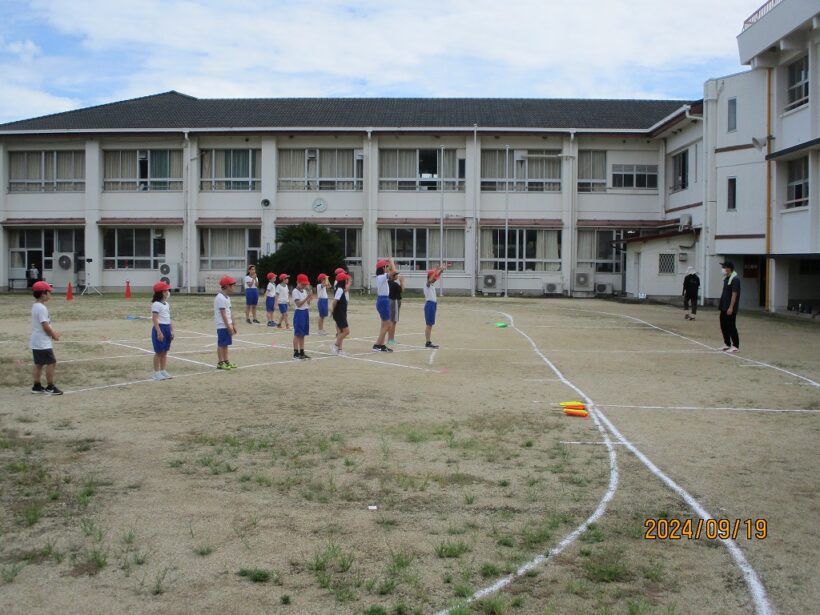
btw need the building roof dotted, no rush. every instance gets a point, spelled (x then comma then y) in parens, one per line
(175, 111)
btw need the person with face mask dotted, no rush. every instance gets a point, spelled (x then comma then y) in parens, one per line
(691, 284)
(729, 303)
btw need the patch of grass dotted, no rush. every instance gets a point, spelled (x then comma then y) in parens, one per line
(653, 572)
(32, 514)
(386, 522)
(399, 562)
(159, 582)
(387, 586)
(504, 482)
(203, 550)
(257, 575)
(375, 610)
(494, 605)
(607, 566)
(284, 599)
(451, 549)
(490, 570)
(593, 533)
(505, 541)
(10, 572)
(463, 590)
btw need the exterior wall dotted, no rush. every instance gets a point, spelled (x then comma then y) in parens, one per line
(644, 277)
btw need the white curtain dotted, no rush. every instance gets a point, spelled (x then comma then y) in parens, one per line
(385, 247)
(547, 248)
(586, 246)
(388, 163)
(291, 163)
(592, 165)
(408, 168)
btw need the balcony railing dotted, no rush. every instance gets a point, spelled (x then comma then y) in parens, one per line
(759, 13)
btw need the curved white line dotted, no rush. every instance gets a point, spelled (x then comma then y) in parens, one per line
(596, 514)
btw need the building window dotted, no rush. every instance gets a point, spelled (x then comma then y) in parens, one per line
(797, 188)
(601, 249)
(797, 88)
(666, 264)
(533, 170)
(351, 239)
(37, 246)
(643, 176)
(55, 171)
(420, 169)
(133, 248)
(731, 194)
(142, 170)
(731, 119)
(230, 169)
(591, 171)
(680, 171)
(526, 249)
(228, 248)
(321, 169)
(419, 249)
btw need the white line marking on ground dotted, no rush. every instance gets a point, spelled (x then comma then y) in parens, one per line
(596, 514)
(758, 592)
(580, 442)
(432, 357)
(170, 356)
(709, 408)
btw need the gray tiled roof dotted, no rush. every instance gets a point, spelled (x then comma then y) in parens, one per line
(177, 111)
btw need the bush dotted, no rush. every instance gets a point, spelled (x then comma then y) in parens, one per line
(305, 248)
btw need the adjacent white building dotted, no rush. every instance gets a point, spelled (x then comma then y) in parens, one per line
(573, 197)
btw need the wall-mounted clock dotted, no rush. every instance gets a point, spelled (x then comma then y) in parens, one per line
(319, 206)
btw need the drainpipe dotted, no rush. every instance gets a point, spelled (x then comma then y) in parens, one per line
(573, 215)
(185, 212)
(507, 221)
(769, 164)
(476, 193)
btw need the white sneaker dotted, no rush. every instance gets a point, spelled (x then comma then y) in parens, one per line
(157, 376)
(321, 332)
(733, 350)
(725, 348)
(334, 349)
(166, 375)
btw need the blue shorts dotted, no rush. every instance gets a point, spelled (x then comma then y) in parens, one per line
(430, 313)
(323, 311)
(301, 323)
(165, 344)
(268, 304)
(251, 296)
(283, 308)
(223, 338)
(383, 307)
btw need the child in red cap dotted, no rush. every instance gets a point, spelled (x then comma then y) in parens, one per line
(302, 296)
(321, 303)
(430, 304)
(339, 312)
(225, 329)
(42, 335)
(283, 296)
(270, 298)
(162, 332)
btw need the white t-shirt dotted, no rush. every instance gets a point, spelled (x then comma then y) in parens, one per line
(163, 312)
(382, 287)
(339, 292)
(222, 301)
(271, 289)
(284, 292)
(430, 293)
(39, 338)
(251, 282)
(321, 292)
(300, 295)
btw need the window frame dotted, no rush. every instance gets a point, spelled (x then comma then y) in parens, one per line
(120, 261)
(731, 114)
(519, 179)
(351, 248)
(635, 171)
(312, 177)
(797, 84)
(43, 183)
(680, 171)
(519, 241)
(421, 236)
(731, 194)
(144, 181)
(613, 262)
(423, 181)
(588, 185)
(797, 184)
(253, 180)
(230, 262)
(671, 258)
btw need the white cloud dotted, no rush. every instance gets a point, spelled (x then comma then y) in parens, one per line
(594, 48)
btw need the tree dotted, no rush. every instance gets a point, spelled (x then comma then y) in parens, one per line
(305, 248)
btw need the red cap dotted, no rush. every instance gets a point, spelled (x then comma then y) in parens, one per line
(341, 277)
(226, 280)
(271, 275)
(302, 279)
(322, 276)
(382, 263)
(339, 270)
(283, 276)
(433, 273)
(160, 286)
(42, 286)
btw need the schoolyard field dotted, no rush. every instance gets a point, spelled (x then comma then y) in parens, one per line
(417, 481)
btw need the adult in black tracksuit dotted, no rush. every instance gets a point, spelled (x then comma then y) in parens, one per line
(729, 303)
(691, 284)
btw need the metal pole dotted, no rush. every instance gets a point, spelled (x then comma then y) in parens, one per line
(506, 220)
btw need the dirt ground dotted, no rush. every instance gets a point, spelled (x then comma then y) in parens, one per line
(406, 482)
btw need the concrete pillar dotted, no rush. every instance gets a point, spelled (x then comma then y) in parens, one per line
(370, 230)
(472, 192)
(190, 262)
(569, 190)
(779, 285)
(270, 179)
(93, 194)
(4, 235)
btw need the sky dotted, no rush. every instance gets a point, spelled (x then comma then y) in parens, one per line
(58, 55)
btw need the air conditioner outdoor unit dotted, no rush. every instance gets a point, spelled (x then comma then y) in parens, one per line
(170, 274)
(64, 270)
(685, 221)
(604, 289)
(356, 276)
(553, 288)
(583, 280)
(492, 283)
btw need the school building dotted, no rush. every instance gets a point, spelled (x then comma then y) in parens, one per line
(547, 196)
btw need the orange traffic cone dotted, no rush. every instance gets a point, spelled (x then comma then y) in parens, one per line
(127, 289)
(69, 293)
